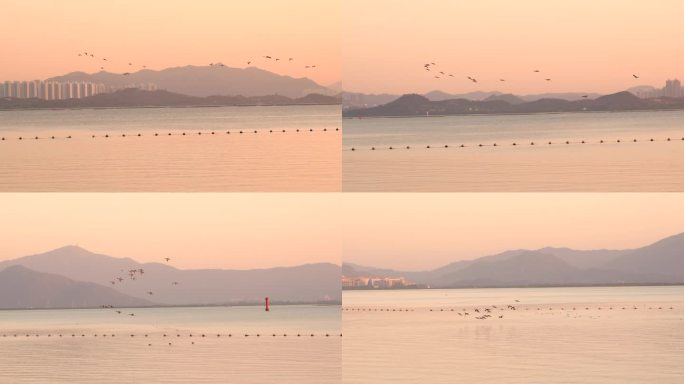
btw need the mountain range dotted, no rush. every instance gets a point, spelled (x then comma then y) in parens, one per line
(203, 81)
(133, 97)
(658, 263)
(351, 100)
(21, 287)
(418, 105)
(82, 273)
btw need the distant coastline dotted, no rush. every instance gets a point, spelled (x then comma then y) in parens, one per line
(160, 107)
(681, 284)
(240, 304)
(136, 98)
(413, 105)
(509, 114)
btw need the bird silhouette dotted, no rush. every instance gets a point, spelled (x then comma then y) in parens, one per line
(635, 76)
(167, 259)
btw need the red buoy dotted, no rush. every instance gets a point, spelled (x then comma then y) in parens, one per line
(267, 304)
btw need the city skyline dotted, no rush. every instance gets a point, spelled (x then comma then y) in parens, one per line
(61, 90)
(582, 46)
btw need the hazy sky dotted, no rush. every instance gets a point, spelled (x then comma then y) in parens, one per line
(41, 38)
(231, 230)
(418, 231)
(582, 45)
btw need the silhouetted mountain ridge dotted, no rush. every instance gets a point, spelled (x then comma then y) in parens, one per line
(133, 97)
(658, 263)
(412, 105)
(202, 81)
(304, 283)
(22, 288)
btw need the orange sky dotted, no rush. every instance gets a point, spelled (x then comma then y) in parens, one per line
(415, 231)
(582, 45)
(230, 230)
(41, 38)
(394, 230)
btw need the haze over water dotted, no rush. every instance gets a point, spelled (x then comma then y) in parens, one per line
(264, 161)
(527, 345)
(211, 359)
(593, 166)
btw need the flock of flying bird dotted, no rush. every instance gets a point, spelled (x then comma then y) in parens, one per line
(429, 66)
(133, 274)
(487, 311)
(90, 55)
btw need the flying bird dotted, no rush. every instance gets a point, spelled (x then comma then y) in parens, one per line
(635, 76)
(167, 259)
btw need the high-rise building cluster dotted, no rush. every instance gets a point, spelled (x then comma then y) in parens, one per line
(672, 88)
(61, 90)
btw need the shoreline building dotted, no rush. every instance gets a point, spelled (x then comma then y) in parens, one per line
(50, 90)
(62, 90)
(672, 88)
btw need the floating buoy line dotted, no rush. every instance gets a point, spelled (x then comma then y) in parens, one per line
(508, 307)
(164, 336)
(531, 143)
(166, 134)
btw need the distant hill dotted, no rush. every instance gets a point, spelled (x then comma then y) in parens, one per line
(415, 105)
(132, 97)
(352, 100)
(659, 263)
(202, 81)
(362, 100)
(306, 283)
(22, 288)
(509, 98)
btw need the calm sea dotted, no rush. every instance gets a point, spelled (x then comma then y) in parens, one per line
(643, 165)
(306, 157)
(101, 346)
(554, 335)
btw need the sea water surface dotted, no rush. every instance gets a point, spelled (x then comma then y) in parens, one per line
(172, 345)
(617, 153)
(296, 148)
(548, 335)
